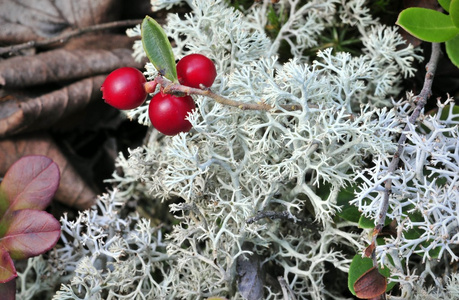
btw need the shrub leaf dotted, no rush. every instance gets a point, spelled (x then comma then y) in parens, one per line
(427, 24)
(158, 48)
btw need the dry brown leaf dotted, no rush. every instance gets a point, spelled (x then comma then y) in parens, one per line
(60, 65)
(370, 285)
(73, 190)
(25, 20)
(30, 114)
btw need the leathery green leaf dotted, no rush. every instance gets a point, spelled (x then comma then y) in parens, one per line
(445, 4)
(158, 48)
(452, 49)
(427, 24)
(454, 12)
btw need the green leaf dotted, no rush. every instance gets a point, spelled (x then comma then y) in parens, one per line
(158, 48)
(348, 212)
(367, 223)
(452, 49)
(427, 24)
(416, 232)
(454, 12)
(445, 4)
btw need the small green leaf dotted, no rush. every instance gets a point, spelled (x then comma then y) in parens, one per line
(158, 48)
(454, 12)
(348, 212)
(427, 24)
(452, 49)
(367, 223)
(445, 4)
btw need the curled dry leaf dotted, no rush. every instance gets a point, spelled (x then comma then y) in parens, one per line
(370, 285)
(22, 21)
(250, 276)
(61, 65)
(27, 114)
(73, 190)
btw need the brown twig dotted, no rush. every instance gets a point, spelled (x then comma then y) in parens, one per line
(66, 36)
(421, 101)
(175, 88)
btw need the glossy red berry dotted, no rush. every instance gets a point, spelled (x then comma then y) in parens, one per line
(196, 69)
(124, 88)
(167, 113)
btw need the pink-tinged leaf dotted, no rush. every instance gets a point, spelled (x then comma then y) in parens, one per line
(7, 269)
(30, 183)
(30, 233)
(8, 290)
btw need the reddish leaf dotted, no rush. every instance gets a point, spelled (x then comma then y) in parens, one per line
(73, 190)
(30, 183)
(370, 285)
(30, 233)
(7, 269)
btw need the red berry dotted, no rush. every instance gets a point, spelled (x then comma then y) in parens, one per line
(196, 69)
(124, 88)
(167, 113)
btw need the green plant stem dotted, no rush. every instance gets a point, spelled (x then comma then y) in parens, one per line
(176, 88)
(421, 101)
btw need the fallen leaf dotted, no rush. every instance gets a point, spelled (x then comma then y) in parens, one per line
(22, 21)
(73, 191)
(61, 65)
(251, 276)
(20, 114)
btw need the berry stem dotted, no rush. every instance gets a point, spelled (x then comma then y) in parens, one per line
(173, 88)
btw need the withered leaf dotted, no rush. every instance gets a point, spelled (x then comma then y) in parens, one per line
(251, 276)
(61, 65)
(26, 114)
(369, 250)
(370, 285)
(26, 20)
(73, 190)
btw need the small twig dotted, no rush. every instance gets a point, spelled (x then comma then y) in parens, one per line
(421, 100)
(175, 88)
(66, 36)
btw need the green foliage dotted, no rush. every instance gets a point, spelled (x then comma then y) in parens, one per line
(433, 26)
(158, 48)
(452, 49)
(445, 4)
(348, 212)
(427, 24)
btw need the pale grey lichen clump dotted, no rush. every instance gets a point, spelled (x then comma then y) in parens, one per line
(237, 163)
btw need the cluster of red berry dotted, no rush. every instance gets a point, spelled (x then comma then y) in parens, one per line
(124, 89)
